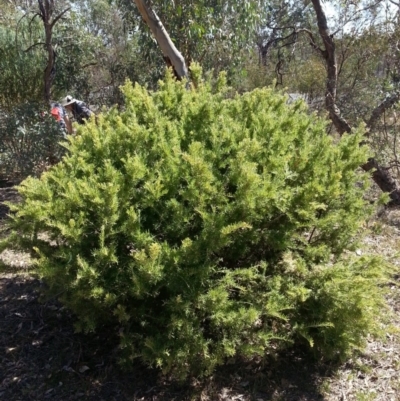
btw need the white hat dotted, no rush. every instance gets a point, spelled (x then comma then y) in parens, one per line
(68, 100)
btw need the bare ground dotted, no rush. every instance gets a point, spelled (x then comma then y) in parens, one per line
(43, 358)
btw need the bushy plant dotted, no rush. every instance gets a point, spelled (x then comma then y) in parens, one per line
(21, 75)
(30, 141)
(205, 227)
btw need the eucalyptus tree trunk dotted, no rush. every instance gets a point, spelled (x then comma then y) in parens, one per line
(171, 54)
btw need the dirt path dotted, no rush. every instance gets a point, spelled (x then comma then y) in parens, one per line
(42, 358)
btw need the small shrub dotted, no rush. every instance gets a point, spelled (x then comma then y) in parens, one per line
(204, 227)
(29, 142)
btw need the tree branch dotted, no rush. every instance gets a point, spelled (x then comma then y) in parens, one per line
(16, 30)
(89, 64)
(313, 42)
(59, 16)
(34, 45)
(381, 108)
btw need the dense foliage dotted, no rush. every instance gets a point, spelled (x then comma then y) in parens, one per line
(204, 226)
(21, 72)
(30, 141)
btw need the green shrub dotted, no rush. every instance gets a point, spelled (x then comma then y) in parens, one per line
(29, 141)
(204, 227)
(21, 75)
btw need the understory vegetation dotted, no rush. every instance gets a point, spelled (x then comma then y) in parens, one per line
(202, 226)
(31, 141)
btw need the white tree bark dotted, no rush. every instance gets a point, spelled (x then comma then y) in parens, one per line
(172, 56)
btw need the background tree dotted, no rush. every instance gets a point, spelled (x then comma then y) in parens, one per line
(381, 175)
(171, 54)
(218, 34)
(90, 56)
(21, 76)
(342, 67)
(114, 56)
(49, 15)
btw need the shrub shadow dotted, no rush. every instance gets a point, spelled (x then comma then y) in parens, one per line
(43, 358)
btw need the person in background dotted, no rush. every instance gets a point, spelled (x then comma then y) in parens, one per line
(61, 116)
(79, 109)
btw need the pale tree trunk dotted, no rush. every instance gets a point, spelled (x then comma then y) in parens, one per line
(47, 8)
(171, 54)
(380, 175)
